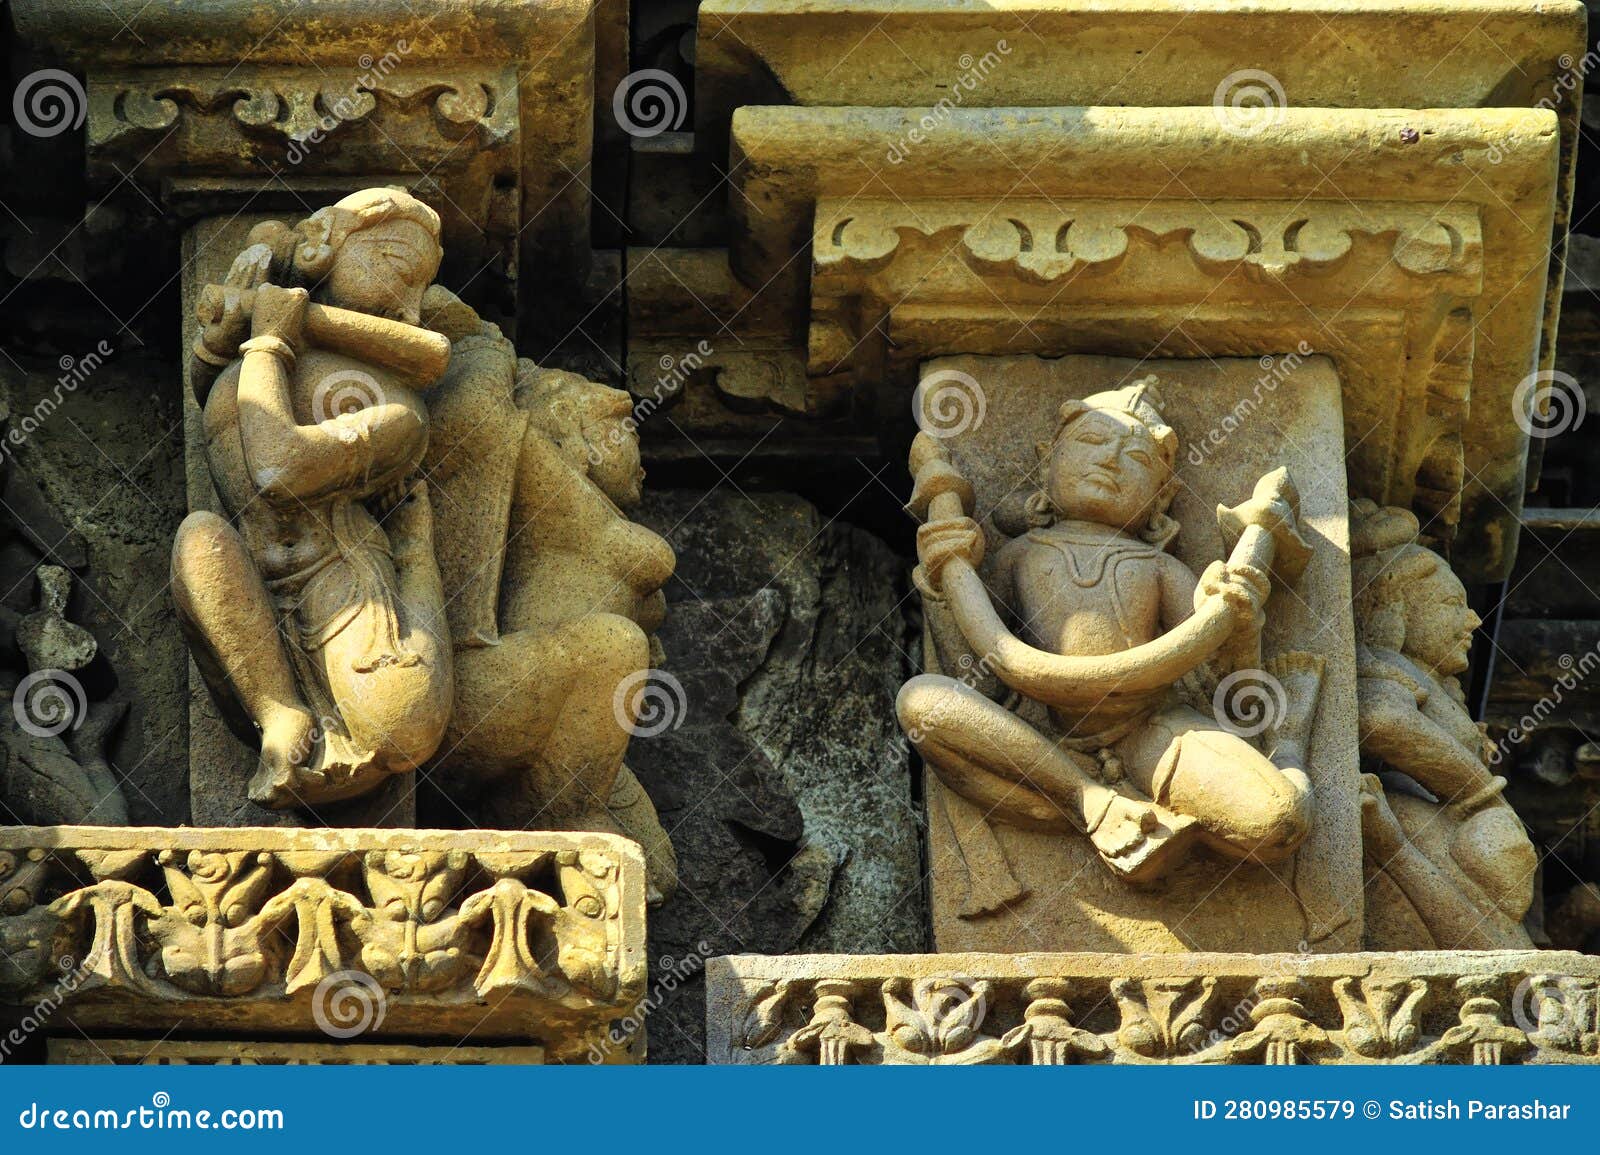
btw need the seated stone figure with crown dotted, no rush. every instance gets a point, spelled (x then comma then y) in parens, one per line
(1075, 721)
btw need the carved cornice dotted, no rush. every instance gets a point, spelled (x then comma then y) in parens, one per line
(1042, 241)
(482, 108)
(1142, 231)
(502, 934)
(209, 110)
(1484, 1008)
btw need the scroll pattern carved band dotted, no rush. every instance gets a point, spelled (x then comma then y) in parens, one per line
(185, 919)
(1355, 1009)
(123, 112)
(1043, 241)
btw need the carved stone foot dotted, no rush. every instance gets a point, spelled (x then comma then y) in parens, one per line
(288, 738)
(636, 817)
(1381, 834)
(304, 764)
(1140, 841)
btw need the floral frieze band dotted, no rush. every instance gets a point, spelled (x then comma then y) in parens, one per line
(481, 933)
(1480, 1007)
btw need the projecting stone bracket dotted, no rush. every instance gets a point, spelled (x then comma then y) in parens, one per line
(1485, 1008)
(1421, 272)
(426, 934)
(482, 109)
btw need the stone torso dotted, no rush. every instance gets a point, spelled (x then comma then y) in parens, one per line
(288, 537)
(1084, 590)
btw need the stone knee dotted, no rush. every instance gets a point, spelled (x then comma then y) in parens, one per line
(397, 712)
(204, 542)
(922, 703)
(963, 737)
(1247, 807)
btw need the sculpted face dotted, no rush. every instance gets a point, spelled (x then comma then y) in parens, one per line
(1106, 468)
(1439, 623)
(384, 270)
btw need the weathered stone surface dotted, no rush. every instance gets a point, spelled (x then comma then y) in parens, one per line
(1243, 853)
(269, 1053)
(450, 934)
(1490, 1007)
(787, 790)
(1447, 860)
(472, 105)
(407, 552)
(95, 486)
(1416, 321)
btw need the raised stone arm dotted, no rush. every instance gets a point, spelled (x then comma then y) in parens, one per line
(415, 355)
(1266, 539)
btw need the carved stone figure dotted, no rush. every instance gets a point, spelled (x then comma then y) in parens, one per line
(314, 609)
(54, 765)
(554, 593)
(1109, 624)
(452, 581)
(1442, 845)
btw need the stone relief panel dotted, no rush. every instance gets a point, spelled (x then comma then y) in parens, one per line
(424, 932)
(1448, 863)
(60, 719)
(1122, 755)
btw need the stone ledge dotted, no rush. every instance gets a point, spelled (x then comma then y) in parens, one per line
(443, 934)
(1486, 1008)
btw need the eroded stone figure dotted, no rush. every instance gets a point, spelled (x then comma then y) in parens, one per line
(314, 608)
(1434, 821)
(1074, 722)
(555, 592)
(457, 588)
